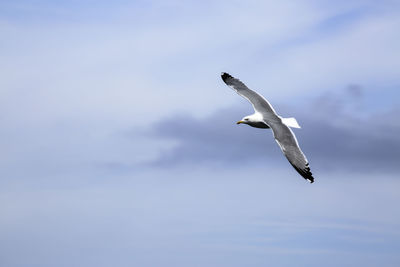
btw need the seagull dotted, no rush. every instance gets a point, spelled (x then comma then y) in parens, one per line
(265, 117)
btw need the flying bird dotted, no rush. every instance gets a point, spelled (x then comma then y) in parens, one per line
(266, 117)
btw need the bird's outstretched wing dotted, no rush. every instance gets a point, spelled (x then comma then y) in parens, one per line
(260, 104)
(288, 143)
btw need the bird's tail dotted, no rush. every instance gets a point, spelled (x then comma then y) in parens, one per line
(290, 122)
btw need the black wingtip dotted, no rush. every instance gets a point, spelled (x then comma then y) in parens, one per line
(308, 176)
(305, 173)
(225, 76)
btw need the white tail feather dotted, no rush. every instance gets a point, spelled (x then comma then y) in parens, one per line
(291, 122)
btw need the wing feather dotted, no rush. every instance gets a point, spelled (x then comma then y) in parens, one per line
(288, 143)
(260, 104)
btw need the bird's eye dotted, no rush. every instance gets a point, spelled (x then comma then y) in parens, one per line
(246, 119)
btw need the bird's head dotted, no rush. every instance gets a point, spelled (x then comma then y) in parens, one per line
(245, 120)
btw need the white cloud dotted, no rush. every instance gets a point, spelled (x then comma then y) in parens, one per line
(362, 53)
(116, 68)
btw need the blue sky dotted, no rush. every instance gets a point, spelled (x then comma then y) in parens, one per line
(119, 142)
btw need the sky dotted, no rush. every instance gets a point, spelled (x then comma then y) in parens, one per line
(119, 143)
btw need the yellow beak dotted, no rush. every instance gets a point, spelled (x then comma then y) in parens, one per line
(239, 122)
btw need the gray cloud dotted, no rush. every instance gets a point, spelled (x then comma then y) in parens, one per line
(333, 136)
